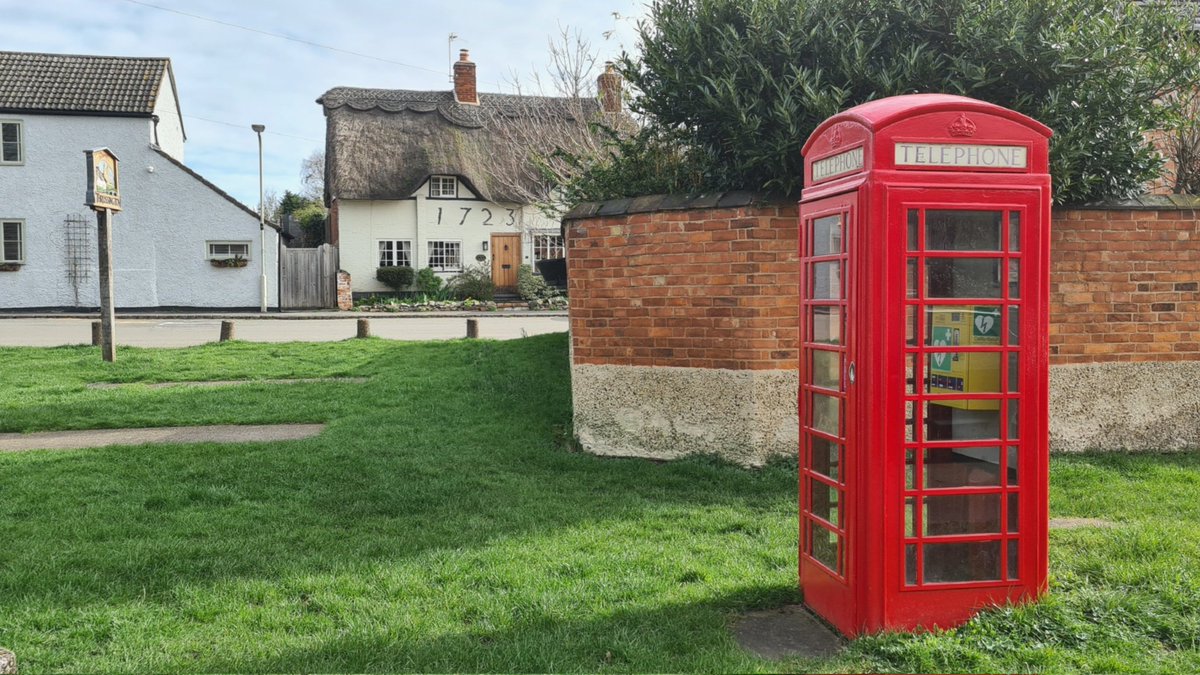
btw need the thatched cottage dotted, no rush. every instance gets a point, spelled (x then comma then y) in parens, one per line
(446, 179)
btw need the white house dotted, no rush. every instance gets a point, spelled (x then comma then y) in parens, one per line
(433, 179)
(174, 223)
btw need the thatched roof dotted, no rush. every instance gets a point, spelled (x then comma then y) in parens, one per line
(385, 143)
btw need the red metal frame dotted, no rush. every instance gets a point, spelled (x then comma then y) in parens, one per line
(879, 583)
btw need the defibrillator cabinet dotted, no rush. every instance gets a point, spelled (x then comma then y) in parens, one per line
(924, 458)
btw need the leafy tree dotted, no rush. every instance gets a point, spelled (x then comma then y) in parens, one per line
(732, 88)
(291, 202)
(311, 218)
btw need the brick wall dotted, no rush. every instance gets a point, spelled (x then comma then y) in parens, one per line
(1125, 285)
(693, 288)
(718, 287)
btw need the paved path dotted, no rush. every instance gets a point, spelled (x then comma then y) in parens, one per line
(202, 384)
(187, 332)
(99, 438)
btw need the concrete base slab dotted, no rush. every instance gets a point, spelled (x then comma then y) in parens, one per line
(99, 438)
(786, 632)
(225, 383)
(1076, 523)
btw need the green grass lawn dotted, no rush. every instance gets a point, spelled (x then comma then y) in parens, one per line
(444, 523)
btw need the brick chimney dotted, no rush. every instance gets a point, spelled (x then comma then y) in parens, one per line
(609, 86)
(464, 79)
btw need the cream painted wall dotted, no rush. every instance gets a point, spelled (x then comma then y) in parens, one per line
(422, 219)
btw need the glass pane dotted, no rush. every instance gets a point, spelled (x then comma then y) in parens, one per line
(962, 420)
(966, 326)
(910, 373)
(827, 369)
(827, 281)
(1014, 371)
(824, 499)
(910, 564)
(962, 467)
(827, 325)
(913, 234)
(1014, 557)
(910, 421)
(971, 561)
(962, 514)
(826, 414)
(962, 230)
(1014, 278)
(1014, 325)
(12, 251)
(912, 278)
(962, 278)
(959, 372)
(910, 469)
(1014, 419)
(910, 516)
(825, 457)
(1013, 473)
(910, 325)
(823, 545)
(8, 133)
(1014, 512)
(1014, 231)
(827, 235)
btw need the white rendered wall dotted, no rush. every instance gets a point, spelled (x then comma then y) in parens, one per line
(170, 121)
(158, 239)
(362, 224)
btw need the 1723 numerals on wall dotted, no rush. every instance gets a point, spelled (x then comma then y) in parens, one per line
(477, 216)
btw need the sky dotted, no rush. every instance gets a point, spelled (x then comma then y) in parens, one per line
(229, 78)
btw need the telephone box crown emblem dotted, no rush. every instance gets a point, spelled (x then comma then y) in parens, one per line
(963, 126)
(835, 139)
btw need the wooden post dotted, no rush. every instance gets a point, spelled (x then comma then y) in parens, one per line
(364, 328)
(95, 333)
(226, 331)
(472, 328)
(108, 346)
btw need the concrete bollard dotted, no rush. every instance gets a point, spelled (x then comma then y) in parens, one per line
(226, 331)
(96, 330)
(364, 328)
(472, 328)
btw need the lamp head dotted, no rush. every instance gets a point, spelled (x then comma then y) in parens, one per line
(258, 128)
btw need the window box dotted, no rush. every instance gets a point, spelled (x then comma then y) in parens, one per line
(10, 267)
(236, 261)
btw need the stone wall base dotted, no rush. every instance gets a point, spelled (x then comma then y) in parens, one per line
(744, 416)
(750, 416)
(1132, 407)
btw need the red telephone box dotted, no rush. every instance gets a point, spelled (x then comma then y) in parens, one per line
(924, 452)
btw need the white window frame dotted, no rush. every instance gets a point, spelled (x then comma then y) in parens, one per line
(395, 252)
(562, 245)
(438, 184)
(20, 142)
(443, 268)
(210, 255)
(20, 223)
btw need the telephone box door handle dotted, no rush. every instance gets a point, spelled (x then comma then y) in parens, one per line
(850, 373)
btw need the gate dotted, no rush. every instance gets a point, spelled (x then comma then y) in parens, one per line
(308, 277)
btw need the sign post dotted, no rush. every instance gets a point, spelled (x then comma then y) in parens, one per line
(104, 197)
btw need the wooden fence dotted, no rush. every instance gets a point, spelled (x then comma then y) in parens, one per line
(308, 277)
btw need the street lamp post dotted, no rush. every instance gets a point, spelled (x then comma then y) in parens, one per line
(262, 223)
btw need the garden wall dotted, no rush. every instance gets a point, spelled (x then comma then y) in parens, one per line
(684, 316)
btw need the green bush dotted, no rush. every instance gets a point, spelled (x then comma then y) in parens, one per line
(531, 286)
(311, 219)
(428, 282)
(475, 282)
(398, 278)
(731, 89)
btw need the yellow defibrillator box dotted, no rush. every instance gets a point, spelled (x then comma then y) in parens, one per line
(965, 372)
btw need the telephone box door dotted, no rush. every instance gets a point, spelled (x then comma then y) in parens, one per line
(969, 473)
(827, 547)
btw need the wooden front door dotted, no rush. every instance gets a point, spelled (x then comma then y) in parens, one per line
(506, 257)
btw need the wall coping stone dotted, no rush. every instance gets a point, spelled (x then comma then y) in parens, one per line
(1142, 203)
(676, 202)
